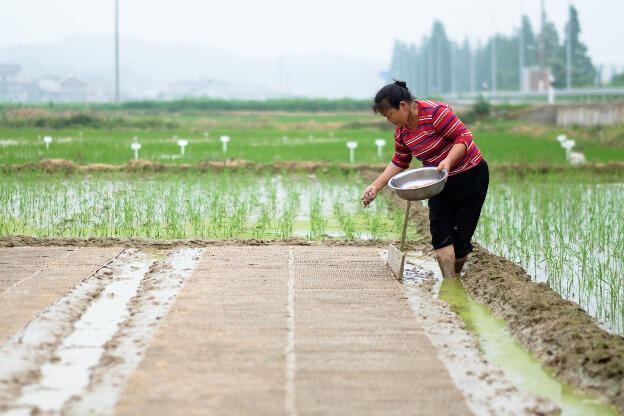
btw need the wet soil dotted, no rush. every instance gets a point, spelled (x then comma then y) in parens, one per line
(554, 330)
(35, 344)
(141, 165)
(29, 241)
(486, 389)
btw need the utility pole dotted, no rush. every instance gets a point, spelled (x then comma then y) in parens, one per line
(493, 46)
(452, 67)
(473, 73)
(520, 58)
(117, 51)
(439, 69)
(280, 72)
(430, 69)
(541, 50)
(520, 49)
(569, 50)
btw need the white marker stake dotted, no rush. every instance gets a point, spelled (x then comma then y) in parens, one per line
(182, 143)
(225, 140)
(380, 143)
(206, 134)
(568, 145)
(136, 147)
(351, 146)
(47, 140)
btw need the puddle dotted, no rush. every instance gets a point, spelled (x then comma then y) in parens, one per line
(128, 346)
(86, 368)
(68, 373)
(418, 268)
(499, 347)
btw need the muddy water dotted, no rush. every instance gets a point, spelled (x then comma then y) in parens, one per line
(68, 374)
(519, 366)
(85, 371)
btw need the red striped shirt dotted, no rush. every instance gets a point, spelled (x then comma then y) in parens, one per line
(438, 130)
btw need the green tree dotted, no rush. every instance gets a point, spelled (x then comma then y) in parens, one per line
(553, 53)
(530, 43)
(617, 80)
(583, 71)
(507, 62)
(462, 64)
(441, 55)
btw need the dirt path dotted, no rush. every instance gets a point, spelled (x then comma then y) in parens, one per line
(291, 330)
(33, 278)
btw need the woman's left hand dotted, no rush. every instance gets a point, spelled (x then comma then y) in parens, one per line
(445, 164)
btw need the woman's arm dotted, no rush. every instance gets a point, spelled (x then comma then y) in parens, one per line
(371, 192)
(457, 151)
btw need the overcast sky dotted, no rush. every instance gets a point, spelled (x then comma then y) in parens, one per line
(362, 28)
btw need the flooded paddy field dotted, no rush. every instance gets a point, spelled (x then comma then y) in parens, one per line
(566, 230)
(231, 204)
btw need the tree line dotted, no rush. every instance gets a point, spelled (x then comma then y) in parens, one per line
(438, 65)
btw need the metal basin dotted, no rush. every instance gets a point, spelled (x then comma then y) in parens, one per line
(418, 184)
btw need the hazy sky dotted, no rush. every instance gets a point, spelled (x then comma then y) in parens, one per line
(362, 28)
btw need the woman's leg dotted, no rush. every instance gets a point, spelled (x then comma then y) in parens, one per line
(459, 265)
(446, 261)
(467, 215)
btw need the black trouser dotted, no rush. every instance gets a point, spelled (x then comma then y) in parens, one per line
(454, 212)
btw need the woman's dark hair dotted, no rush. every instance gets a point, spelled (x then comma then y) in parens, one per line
(391, 95)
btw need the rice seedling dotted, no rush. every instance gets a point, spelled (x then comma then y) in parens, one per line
(566, 231)
(317, 220)
(193, 204)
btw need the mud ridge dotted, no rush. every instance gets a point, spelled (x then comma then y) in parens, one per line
(142, 165)
(21, 240)
(556, 331)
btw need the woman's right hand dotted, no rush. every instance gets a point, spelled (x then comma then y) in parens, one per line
(369, 194)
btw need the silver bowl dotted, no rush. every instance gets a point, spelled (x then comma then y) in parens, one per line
(418, 184)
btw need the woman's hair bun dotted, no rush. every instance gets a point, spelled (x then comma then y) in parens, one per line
(400, 83)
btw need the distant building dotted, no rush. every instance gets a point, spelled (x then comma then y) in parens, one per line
(72, 89)
(205, 87)
(10, 73)
(14, 87)
(534, 79)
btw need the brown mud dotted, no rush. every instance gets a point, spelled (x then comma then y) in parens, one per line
(554, 330)
(21, 241)
(141, 165)
(486, 389)
(23, 355)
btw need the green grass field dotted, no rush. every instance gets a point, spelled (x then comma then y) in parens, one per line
(270, 137)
